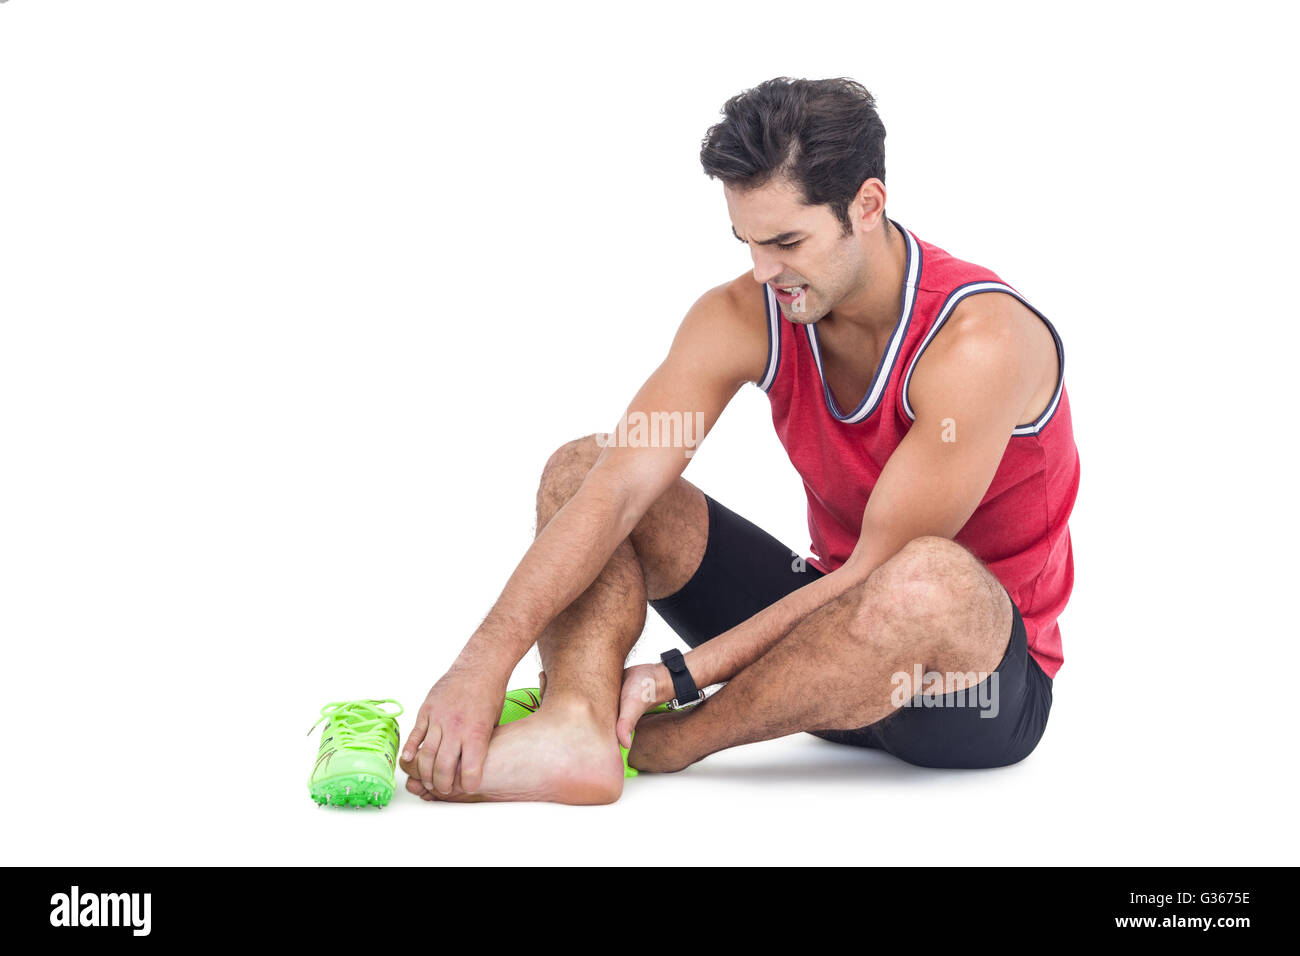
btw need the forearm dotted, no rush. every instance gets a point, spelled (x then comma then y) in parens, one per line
(724, 656)
(560, 564)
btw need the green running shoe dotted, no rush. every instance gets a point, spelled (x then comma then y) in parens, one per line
(522, 701)
(519, 703)
(358, 750)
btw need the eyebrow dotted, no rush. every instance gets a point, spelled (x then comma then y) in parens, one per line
(783, 237)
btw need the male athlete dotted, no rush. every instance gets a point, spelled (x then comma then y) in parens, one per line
(921, 399)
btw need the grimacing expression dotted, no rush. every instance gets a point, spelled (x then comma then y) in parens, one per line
(793, 244)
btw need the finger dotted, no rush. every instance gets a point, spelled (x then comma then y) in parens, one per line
(471, 760)
(444, 767)
(413, 784)
(408, 765)
(541, 684)
(413, 742)
(427, 755)
(627, 719)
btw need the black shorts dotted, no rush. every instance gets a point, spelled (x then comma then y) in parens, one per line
(745, 569)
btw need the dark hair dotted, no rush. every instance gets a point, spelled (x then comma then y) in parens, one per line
(822, 135)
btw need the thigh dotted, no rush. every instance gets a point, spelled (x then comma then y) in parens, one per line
(998, 722)
(744, 569)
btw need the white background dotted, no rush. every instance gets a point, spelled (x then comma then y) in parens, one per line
(298, 297)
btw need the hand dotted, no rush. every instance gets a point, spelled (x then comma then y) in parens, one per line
(644, 686)
(452, 729)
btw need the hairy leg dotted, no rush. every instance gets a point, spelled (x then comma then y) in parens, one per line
(932, 604)
(567, 751)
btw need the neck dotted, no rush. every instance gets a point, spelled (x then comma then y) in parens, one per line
(873, 309)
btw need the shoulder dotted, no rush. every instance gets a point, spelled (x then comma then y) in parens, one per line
(738, 301)
(731, 321)
(990, 341)
(745, 300)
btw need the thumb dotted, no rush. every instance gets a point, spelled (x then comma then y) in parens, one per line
(623, 729)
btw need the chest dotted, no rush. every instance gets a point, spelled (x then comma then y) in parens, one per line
(849, 369)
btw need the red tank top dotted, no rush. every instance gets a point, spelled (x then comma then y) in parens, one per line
(1019, 530)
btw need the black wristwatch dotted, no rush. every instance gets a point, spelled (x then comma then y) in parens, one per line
(683, 684)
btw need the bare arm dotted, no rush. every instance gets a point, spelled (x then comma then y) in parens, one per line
(714, 352)
(712, 355)
(981, 371)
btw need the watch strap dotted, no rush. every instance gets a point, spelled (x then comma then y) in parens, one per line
(684, 689)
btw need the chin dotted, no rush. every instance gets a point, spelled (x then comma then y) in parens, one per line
(801, 318)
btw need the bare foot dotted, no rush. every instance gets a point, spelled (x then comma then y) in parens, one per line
(561, 754)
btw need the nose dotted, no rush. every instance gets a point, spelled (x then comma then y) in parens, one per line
(766, 267)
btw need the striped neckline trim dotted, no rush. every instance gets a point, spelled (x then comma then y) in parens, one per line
(885, 367)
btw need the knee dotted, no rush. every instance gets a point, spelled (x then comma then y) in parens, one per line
(927, 558)
(919, 588)
(573, 458)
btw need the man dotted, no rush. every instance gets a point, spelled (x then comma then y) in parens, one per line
(923, 402)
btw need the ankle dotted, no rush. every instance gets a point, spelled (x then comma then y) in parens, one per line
(577, 706)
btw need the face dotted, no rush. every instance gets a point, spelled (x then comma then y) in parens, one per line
(811, 250)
